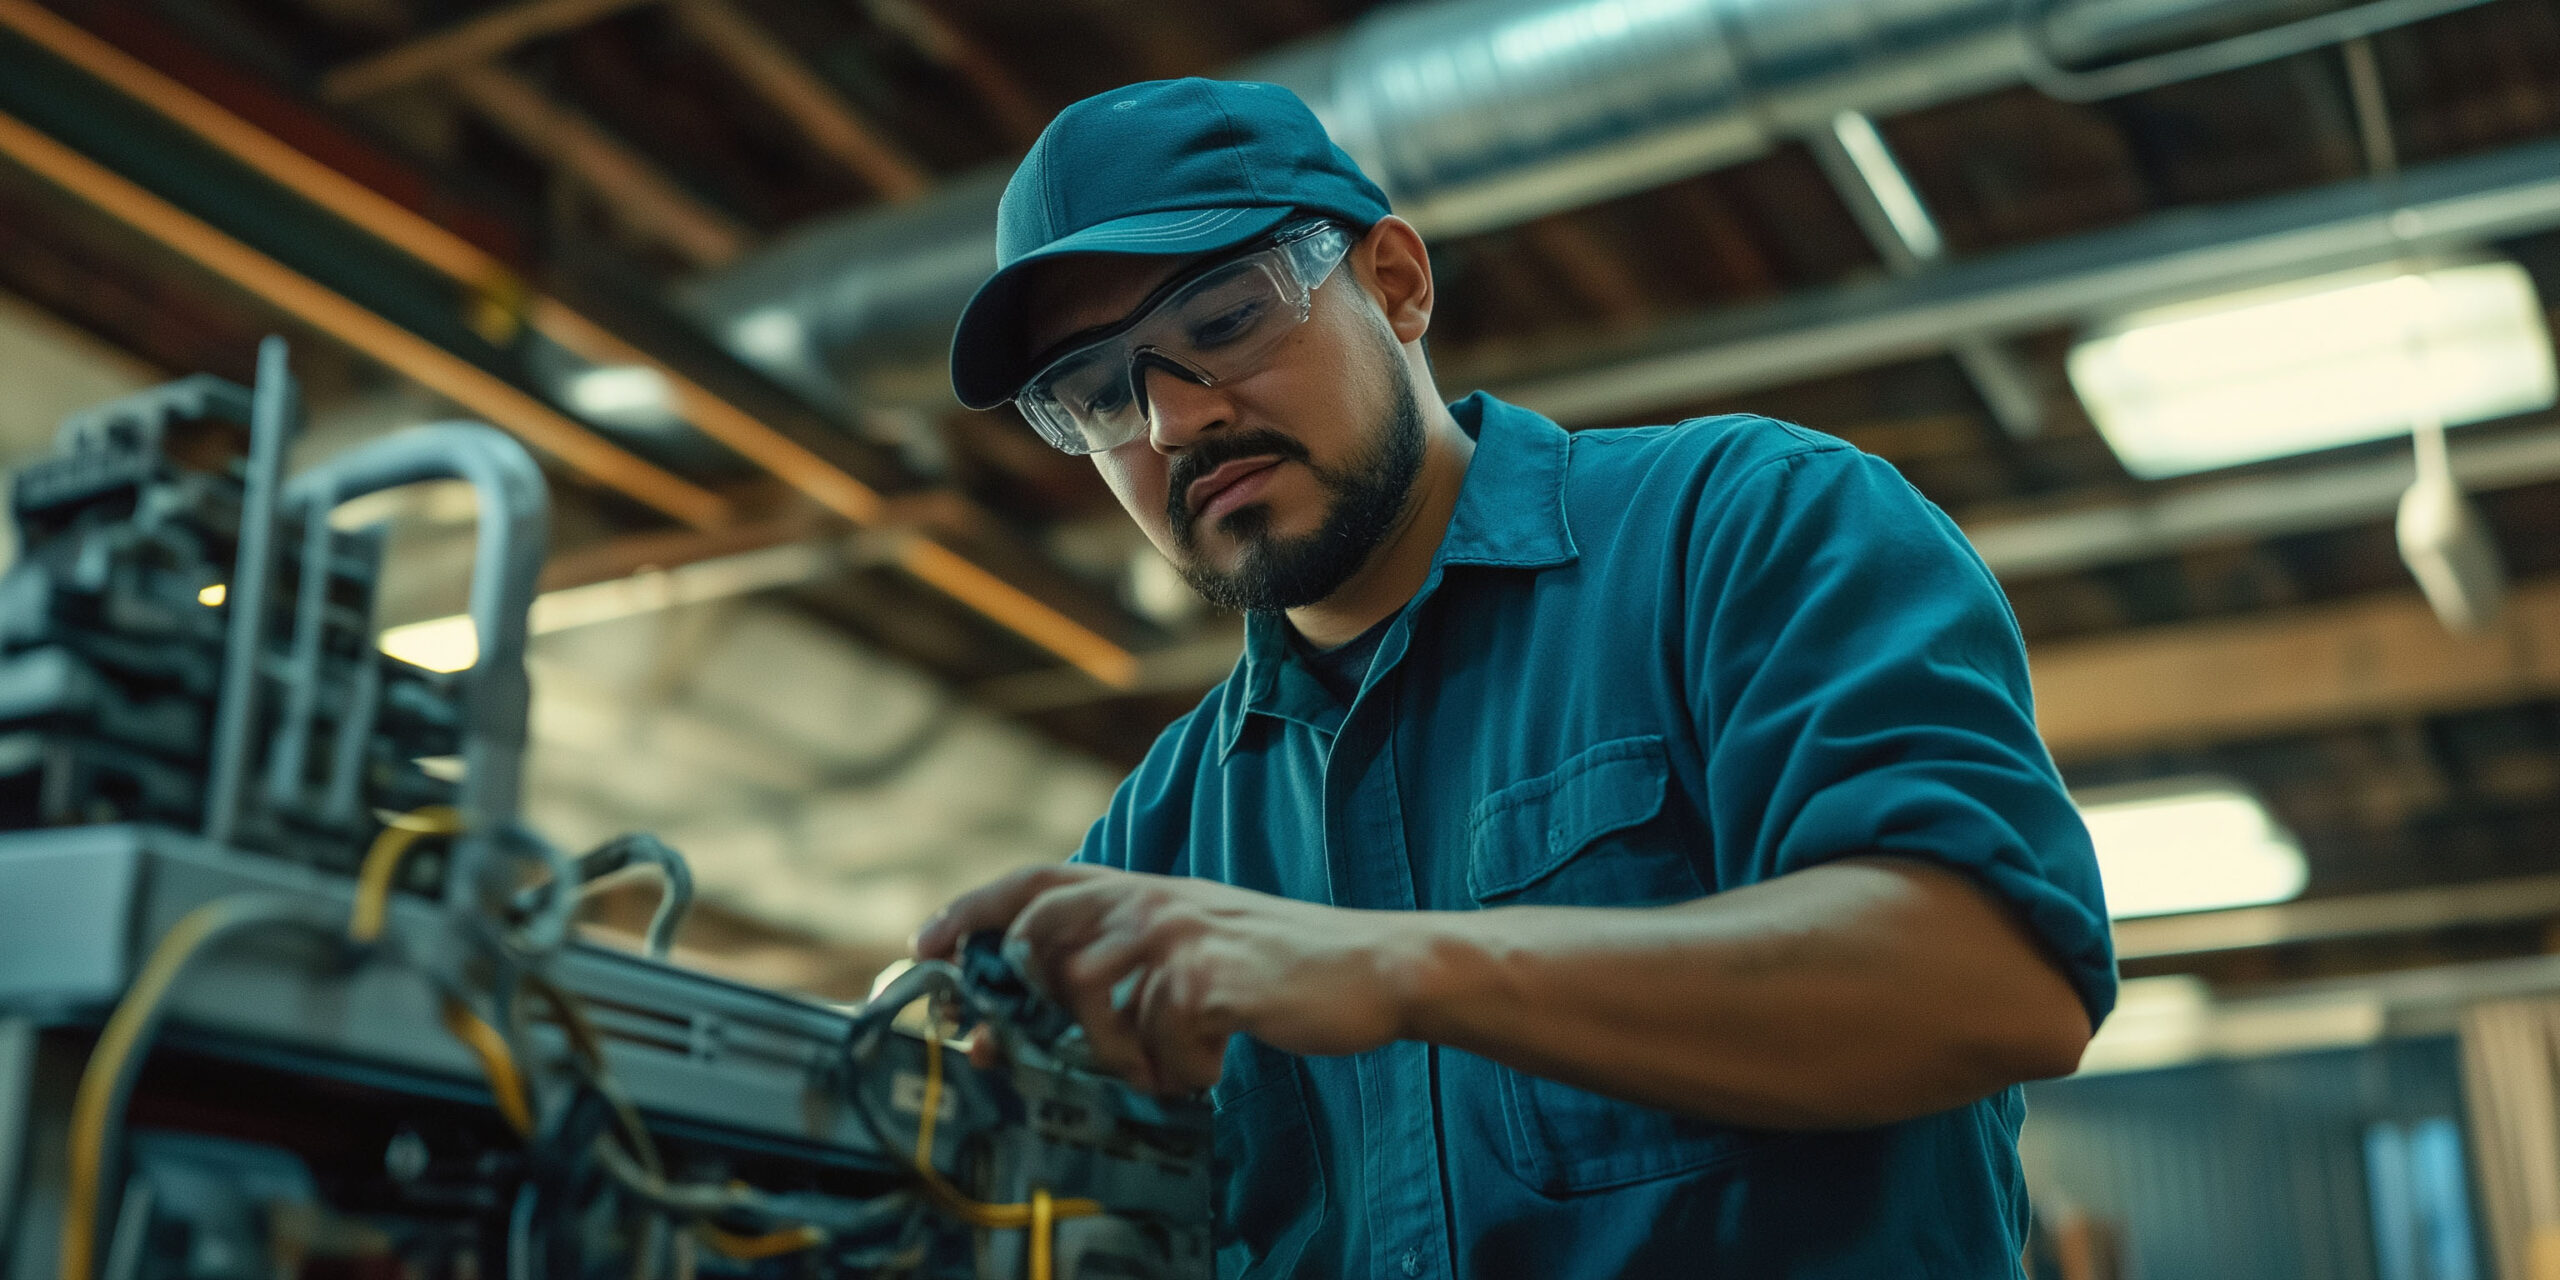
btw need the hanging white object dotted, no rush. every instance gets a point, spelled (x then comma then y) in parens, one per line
(2446, 546)
(2444, 542)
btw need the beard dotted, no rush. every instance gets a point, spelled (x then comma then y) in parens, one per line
(1366, 494)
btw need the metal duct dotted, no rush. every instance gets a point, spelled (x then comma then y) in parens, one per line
(1471, 114)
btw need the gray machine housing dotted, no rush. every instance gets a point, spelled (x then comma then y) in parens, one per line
(157, 754)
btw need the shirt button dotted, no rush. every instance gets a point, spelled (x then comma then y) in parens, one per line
(1413, 1262)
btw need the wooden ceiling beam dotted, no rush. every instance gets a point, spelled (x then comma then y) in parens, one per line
(630, 186)
(999, 90)
(2353, 663)
(718, 416)
(821, 114)
(469, 43)
(430, 366)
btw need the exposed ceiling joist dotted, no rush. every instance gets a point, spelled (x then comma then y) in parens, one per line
(474, 41)
(2519, 898)
(2333, 496)
(421, 361)
(2452, 204)
(631, 187)
(2357, 662)
(802, 462)
(787, 82)
(1015, 110)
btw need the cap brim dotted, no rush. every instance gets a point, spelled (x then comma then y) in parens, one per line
(990, 350)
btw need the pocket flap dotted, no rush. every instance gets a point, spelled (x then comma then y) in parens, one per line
(1523, 832)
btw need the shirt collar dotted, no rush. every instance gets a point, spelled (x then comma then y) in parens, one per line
(1510, 514)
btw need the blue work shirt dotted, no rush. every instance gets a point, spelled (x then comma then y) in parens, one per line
(1647, 665)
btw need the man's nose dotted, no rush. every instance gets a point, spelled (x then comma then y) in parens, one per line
(1179, 409)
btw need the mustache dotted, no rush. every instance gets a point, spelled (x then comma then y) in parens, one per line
(1215, 452)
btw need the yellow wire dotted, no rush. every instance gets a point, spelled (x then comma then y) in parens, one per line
(373, 880)
(1039, 1215)
(772, 1244)
(496, 1062)
(1044, 1212)
(96, 1095)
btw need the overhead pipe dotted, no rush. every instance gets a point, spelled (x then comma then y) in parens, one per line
(1472, 114)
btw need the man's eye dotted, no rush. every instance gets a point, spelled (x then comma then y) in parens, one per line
(1226, 326)
(1107, 398)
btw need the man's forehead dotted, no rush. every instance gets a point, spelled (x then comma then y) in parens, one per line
(1074, 292)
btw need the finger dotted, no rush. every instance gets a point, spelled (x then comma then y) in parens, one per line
(1184, 1040)
(1054, 934)
(1050, 932)
(991, 906)
(1089, 984)
(986, 1053)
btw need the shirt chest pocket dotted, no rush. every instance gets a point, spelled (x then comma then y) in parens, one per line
(1578, 836)
(1586, 835)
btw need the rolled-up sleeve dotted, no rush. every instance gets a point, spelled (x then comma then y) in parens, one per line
(1861, 688)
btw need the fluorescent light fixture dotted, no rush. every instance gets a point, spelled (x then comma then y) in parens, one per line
(633, 395)
(2315, 364)
(438, 644)
(2193, 844)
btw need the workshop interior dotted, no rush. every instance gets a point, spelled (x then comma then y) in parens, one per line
(506, 630)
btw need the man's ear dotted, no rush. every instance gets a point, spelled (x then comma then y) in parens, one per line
(1396, 270)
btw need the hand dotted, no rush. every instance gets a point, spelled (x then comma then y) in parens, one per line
(1203, 961)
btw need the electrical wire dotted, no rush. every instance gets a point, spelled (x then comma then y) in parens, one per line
(1037, 1216)
(497, 1062)
(772, 1244)
(382, 862)
(107, 1081)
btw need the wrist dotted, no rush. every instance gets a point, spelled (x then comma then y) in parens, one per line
(1437, 966)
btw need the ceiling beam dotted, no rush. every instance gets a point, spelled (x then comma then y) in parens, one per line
(2198, 512)
(471, 42)
(822, 115)
(1015, 110)
(632, 189)
(474, 388)
(799, 455)
(2448, 205)
(2357, 662)
(2486, 902)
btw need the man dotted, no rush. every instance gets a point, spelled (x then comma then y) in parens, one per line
(1617, 854)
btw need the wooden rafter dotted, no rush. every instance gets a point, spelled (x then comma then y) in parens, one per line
(470, 43)
(629, 184)
(2361, 661)
(720, 418)
(1592, 268)
(998, 89)
(421, 361)
(822, 115)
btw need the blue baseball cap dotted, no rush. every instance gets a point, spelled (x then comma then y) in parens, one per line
(1164, 168)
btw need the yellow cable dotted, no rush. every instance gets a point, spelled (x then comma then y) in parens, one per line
(496, 1062)
(373, 880)
(1043, 1223)
(772, 1244)
(92, 1106)
(1039, 1215)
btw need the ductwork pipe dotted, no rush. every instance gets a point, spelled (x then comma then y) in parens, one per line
(1472, 114)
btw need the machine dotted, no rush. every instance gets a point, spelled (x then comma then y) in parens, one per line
(288, 989)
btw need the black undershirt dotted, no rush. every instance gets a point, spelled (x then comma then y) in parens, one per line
(1341, 668)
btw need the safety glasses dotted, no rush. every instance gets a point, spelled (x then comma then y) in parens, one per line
(1212, 325)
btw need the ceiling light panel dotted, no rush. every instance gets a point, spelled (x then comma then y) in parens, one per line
(2315, 364)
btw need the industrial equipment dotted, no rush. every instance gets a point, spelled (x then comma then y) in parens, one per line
(287, 988)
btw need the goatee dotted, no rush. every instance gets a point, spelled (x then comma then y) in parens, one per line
(1368, 493)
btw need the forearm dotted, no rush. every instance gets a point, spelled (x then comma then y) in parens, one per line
(1852, 994)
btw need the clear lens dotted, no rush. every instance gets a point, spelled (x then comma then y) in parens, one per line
(1213, 329)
